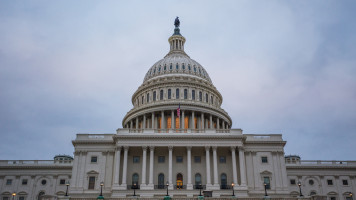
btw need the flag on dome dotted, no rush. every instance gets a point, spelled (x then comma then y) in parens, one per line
(178, 111)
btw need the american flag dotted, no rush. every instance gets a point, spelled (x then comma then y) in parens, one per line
(178, 111)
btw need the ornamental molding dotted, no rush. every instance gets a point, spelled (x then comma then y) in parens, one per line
(23, 167)
(319, 167)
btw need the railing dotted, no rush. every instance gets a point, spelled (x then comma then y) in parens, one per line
(322, 163)
(225, 187)
(180, 187)
(152, 131)
(210, 198)
(34, 162)
(198, 187)
(133, 187)
(160, 187)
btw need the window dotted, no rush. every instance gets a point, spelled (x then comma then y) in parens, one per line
(5, 198)
(267, 182)
(8, 181)
(165, 67)
(170, 67)
(43, 182)
(206, 98)
(193, 94)
(179, 159)
(312, 193)
(21, 198)
(200, 96)
(189, 67)
(292, 181)
(197, 159)
(161, 95)
(330, 182)
(311, 182)
(94, 159)
(154, 95)
(177, 67)
(223, 179)
(24, 181)
(177, 93)
(332, 198)
(91, 183)
(142, 100)
(183, 67)
(161, 181)
(148, 97)
(136, 159)
(40, 195)
(161, 159)
(185, 94)
(135, 179)
(345, 182)
(197, 181)
(62, 181)
(169, 93)
(222, 159)
(159, 69)
(264, 159)
(195, 69)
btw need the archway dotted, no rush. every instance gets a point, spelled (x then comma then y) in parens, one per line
(179, 181)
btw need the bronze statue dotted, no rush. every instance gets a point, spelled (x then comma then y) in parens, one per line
(176, 22)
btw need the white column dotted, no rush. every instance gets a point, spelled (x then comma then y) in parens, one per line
(170, 167)
(234, 172)
(182, 124)
(242, 166)
(217, 123)
(144, 122)
(207, 158)
(162, 120)
(153, 121)
(189, 168)
(144, 157)
(136, 122)
(124, 171)
(152, 156)
(173, 121)
(192, 121)
(131, 124)
(216, 180)
(117, 166)
(223, 124)
(211, 122)
(202, 120)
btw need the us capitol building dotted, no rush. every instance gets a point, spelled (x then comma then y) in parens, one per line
(177, 139)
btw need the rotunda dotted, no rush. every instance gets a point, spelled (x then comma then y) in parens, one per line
(177, 94)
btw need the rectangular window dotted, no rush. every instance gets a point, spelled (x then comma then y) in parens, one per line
(8, 181)
(161, 159)
(91, 185)
(169, 93)
(136, 159)
(330, 182)
(62, 181)
(264, 159)
(179, 159)
(200, 96)
(161, 95)
(197, 159)
(94, 159)
(206, 98)
(345, 182)
(292, 181)
(193, 94)
(267, 182)
(24, 181)
(148, 97)
(154, 95)
(222, 159)
(185, 94)
(177, 93)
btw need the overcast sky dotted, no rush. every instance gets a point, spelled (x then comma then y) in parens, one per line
(285, 67)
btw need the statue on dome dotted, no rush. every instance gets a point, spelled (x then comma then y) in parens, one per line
(176, 22)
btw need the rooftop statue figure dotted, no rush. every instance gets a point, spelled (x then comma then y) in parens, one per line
(176, 22)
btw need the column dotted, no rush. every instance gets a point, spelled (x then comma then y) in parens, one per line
(242, 166)
(207, 158)
(202, 121)
(131, 124)
(153, 121)
(223, 124)
(211, 122)
(162, 120)
(136, 122)
(152, 156)
(144, 157)
(192, 121)
(124, 171)
(217, 123)
(117, 166)
(234, 172)
(170, 148)
(215, 160)
(144, 122)
(173, 121)
(189, 168)
(182, 126)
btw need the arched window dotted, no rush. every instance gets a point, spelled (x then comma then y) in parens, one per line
(185, 94)
(200, 96)
(189, 67)
(142, 99)
(148, 97)
(165, 67)
(199, 71)
(159, 69)
(40, 195)
(135, 179)
(161, 181)
(177, 66)
(223, 179)
(212, 100)
(206, 98)
(170, 67)
(154, 95)
(179, 181)
(197, 181)
(169, 93)
(177, 93)
(193, 94)
(195, 69)
(161, 95)
(183, 67)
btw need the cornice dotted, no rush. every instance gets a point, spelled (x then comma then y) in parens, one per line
(319, 167)
(28, 167)
(74, 142)
(172, 137)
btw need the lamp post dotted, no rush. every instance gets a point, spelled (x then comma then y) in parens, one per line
(232, 187)
(167, 184)
(101, 188)
(134, 187)
(13, 195)
(265, 184)
(300, 189)
(351, 195)
(200, 186)
(67, 184)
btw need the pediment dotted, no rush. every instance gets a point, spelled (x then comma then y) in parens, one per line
(93, 172)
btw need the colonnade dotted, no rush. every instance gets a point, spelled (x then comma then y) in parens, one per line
(169, 120)
(150, 184)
